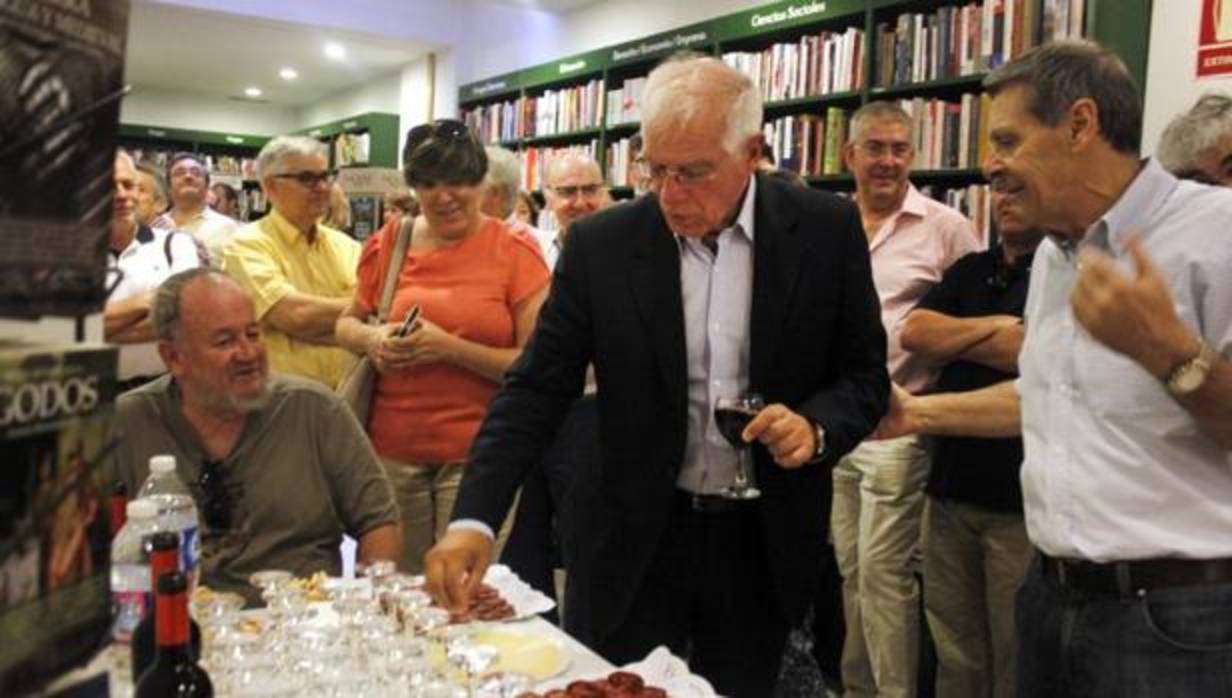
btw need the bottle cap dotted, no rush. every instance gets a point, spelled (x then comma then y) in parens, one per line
(165, 540)
(141, 509)
(173, 582)
(162, 464)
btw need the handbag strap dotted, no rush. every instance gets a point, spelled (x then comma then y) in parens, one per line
(393, 268)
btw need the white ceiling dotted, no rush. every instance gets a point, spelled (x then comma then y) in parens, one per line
(221, 47)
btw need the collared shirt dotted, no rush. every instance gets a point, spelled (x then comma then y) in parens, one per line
(144, 264)
(548, 240)
(301, 475)
(909, 254)
(1115, 468)
(271, 259)
(212, 228)
(717, 291)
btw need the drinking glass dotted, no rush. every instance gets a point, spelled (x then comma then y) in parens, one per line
(732, 415)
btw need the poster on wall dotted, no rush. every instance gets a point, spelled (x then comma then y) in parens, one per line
(61, 80)
(1215, 39)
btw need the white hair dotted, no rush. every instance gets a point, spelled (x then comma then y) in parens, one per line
(1189, 135)
(283, 147)
(686, 86)
(504, 172)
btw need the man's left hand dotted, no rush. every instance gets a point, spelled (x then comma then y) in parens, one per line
(1132, 315)
(789, 437)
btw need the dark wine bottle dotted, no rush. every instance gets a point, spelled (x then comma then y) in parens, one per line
(119, 503)
(164, 558)
(174, 672)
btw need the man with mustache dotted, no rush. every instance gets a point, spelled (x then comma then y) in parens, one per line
(278, 466)
(1125, 395)
(974, 537)
(299, 272)
(879, 487)
(188, 180)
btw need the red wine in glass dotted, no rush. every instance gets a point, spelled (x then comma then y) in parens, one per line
(732, 415)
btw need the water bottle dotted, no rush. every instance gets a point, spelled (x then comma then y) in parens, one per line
(176, 509)
(130, 569)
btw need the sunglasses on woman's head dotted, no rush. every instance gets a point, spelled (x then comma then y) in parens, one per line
(441, 128)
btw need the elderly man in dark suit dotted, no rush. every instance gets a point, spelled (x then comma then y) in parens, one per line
(721, 282)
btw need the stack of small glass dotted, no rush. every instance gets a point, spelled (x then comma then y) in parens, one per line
(387, 640)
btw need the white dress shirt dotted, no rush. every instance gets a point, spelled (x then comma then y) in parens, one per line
(144, 266)
(717, 291)
(1115, 469)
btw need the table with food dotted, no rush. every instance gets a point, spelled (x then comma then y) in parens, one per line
(381, 634)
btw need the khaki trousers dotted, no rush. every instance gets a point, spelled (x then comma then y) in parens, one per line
(878, 498)
(426, 493)
(974, 562)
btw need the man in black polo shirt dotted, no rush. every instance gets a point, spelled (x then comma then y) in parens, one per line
(974, 538)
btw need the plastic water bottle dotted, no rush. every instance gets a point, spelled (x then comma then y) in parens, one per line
(176, 509)
(130, 569)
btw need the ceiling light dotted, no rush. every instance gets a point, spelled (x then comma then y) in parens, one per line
(253, 92)
(335, 51)
(288, 74)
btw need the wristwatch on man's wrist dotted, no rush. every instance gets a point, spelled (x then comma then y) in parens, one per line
(1190, 375)
(820, 432)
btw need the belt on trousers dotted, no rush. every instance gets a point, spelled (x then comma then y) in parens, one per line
(712, 503)
(1131, 576)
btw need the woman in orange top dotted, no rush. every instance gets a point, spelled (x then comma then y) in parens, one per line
(479, 287)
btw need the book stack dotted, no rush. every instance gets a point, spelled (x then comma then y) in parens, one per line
(968, 39)
(496, 123)
(621, 161)
(537, 160)
(817, 64)
(568, 109)
(624, 103)
(949, 135)
(809, 144)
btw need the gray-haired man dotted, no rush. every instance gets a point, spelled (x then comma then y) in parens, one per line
(278, 466)
(1198, 144)
(300, 273)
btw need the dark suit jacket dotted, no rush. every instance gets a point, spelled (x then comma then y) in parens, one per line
(817, 346)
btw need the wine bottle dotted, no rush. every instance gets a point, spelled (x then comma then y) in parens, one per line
(164, 557)
(174, 672)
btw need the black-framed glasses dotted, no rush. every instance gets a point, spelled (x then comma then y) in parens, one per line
(217, 507)
(308, 179)
(441, 128)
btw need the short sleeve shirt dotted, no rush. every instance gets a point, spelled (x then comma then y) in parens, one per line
(301, 475)
(431, 413)
(977, 471)
(271, 259)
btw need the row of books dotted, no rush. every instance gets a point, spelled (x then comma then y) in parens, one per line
(552, 113)
(968, 39)
(815, 65)
(622, 163)
(624, 104)
(351, 149)
(218, 165)
(535, 161)
(949, 134)
(809, 144)
(973, 201)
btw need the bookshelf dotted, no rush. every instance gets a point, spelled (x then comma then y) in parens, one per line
(852, 40)
(366, 140)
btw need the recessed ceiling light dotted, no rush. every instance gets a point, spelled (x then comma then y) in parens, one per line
(335, 51)
(288, 74)
(253, 91)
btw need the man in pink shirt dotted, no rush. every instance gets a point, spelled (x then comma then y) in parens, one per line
(879, 487)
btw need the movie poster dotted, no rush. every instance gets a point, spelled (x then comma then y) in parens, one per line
(61, 79)
(55, 415)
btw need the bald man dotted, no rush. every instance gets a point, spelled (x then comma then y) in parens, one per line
(575, 188)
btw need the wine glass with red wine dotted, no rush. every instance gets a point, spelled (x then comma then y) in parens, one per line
(732, 415)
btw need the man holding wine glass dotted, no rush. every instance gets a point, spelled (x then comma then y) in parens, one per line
(720, 283)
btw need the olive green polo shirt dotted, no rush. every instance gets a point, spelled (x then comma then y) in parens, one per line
(302, 473)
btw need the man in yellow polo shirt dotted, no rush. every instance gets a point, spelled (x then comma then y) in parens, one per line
(300, 273)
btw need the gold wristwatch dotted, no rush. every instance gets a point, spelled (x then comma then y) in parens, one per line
(1191, 374)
